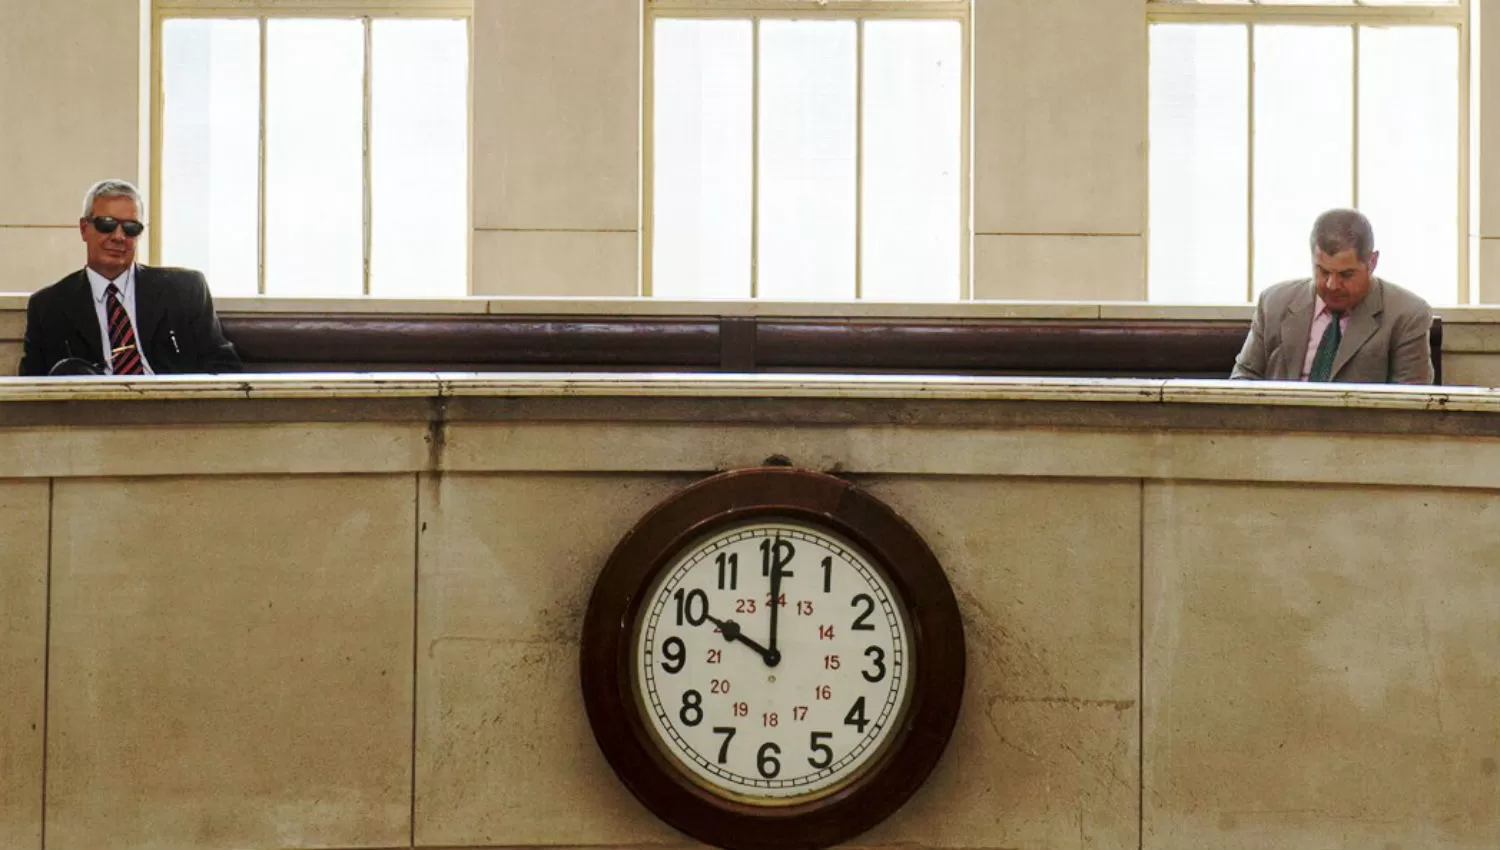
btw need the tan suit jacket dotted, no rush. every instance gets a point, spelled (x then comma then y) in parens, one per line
(1384, 342)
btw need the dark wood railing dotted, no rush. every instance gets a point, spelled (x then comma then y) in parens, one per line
(1166, 349)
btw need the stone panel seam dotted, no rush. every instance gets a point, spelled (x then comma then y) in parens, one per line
(1140, 653)
(47, 652)
(416, 576)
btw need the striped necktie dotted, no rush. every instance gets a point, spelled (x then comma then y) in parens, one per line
(124, 356)
(1328, 349)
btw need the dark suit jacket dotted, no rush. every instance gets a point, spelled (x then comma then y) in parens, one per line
(175, 322)
(1385, 341)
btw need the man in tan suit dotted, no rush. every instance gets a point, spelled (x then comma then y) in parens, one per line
(1343, 324)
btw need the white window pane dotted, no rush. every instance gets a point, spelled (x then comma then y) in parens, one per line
(807, 173)
(314, 157)
(419, 158)
(1304, 141)
(701, 139)
(912, 153)
(1199, 130)
(210, 178)
(1408, 168)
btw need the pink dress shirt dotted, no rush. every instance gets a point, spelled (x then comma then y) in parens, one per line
(1321, 317)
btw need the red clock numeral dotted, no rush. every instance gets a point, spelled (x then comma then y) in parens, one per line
(825, 632)
(830, 662)
(718, 686)
(741, 709)
(822, 692)
(799, 712)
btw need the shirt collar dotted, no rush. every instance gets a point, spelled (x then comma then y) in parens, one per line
(1319, 308)
(98, 282)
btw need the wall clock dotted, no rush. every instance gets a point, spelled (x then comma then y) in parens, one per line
(772, 658)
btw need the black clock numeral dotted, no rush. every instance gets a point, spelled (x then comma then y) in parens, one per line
(692, 607)
(778, 551)
(766, 761)
(675, 654)
(729, 563)
(692, 708)
(728, 733)
(859, 622)
(828, 574)
(818, 746)
(877, 657)
(855, 717)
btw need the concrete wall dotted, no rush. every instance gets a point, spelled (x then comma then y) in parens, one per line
(1059, 149)
(334, 632)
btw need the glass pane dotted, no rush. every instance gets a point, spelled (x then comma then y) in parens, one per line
(1304, 141)
(701, 159)
(1200, 158)
(419, 158)
(1408, 149)
(210, 149)
(314, 157)
(807, 174)
(913, 118)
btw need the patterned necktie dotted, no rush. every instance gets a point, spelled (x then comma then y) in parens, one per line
(124, 357)
(1328, 349)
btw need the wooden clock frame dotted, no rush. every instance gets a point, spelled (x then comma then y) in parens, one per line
(608, 672)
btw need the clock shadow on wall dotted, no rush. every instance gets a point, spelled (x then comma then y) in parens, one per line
(772, 658)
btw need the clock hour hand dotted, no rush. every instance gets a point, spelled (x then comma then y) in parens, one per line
(732, 632)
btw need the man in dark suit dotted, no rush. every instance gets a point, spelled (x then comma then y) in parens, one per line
(120, 317)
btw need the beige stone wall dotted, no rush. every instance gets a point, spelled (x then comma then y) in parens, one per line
(70, 114)
(1059, 145)
(344, 633)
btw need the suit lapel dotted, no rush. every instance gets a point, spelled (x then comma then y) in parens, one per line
(1364, 321)
(1295, 327)
(148, 305)
(83, 321)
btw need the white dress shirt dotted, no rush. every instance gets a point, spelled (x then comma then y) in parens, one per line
(126, 284)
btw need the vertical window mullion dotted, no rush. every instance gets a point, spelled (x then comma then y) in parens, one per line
(755, 158)
(366, 198)
(1465, 293)
(859, 157)
(260, 237)
(1250, 164)
(1354, 85)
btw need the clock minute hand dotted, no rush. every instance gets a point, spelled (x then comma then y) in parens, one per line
(773, 656)
(732, 632)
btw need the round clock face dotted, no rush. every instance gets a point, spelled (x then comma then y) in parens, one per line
(773, 661)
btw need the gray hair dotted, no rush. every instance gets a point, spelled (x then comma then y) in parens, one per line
(114, 189)
(1339, 230)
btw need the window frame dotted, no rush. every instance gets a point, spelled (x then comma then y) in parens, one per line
(1360, 13)
(265, 11)
(757, 11)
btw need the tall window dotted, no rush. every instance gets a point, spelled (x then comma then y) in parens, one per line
(807, 150)
(1264, 114)
(313, 147)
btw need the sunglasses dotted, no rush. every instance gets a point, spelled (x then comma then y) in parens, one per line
(107, 224)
